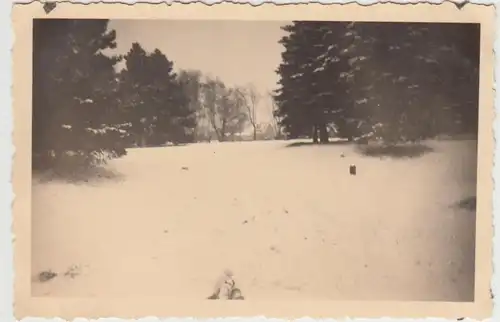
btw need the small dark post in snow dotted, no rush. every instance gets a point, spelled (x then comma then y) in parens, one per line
(352, 170)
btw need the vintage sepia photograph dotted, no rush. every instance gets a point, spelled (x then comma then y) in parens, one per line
(343, 146)
(256, 160)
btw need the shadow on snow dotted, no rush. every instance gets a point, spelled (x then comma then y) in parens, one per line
(86, 175)
(398, 151)
(468, 203)
(300, 144)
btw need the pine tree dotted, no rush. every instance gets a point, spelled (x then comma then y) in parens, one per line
(293, 92)
(455, 82)
(396, 82)
(332, 67)
(313, 94)
(381, 62)
(154, 99)
(74, 93)
(412, 81)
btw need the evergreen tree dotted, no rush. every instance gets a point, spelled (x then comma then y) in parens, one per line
(331, 72)
(413, 82)
(313, 95)
(392, 81)
(379, 78)
(74, 93)
(155, 100)
(294, 90)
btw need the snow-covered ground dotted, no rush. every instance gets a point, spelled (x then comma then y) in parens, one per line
(289, 221)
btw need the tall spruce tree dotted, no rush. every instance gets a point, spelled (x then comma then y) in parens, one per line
(288, 96)
(332, 66)
(313, 94)
(393, 81)
(416, 80)
(74, 93)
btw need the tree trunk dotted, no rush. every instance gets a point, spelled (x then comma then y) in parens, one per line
(222, 134)
(255, 133)
(217, 134)
(315, 134)
(323, 134)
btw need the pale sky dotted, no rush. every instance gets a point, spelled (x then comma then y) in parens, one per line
(238, 52)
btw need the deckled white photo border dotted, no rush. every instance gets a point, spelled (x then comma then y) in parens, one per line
(7, 147)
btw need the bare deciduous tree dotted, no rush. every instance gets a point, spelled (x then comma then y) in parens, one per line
(274, 117)
(251, 99)
(224, 107)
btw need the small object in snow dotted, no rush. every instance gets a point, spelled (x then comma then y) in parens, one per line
(245, 222)
(73, 271)
(236, 294)
(223, 287)
(286, 211)
(46, 276)
(352, 170)
(342, 155)
(185, 168)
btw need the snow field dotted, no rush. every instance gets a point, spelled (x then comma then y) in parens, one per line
(290, 222)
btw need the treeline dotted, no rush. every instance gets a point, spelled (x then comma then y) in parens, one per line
(223, 112)
(89, 105)
(396, 82)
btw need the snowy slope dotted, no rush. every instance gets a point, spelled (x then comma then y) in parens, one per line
(290, 222)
